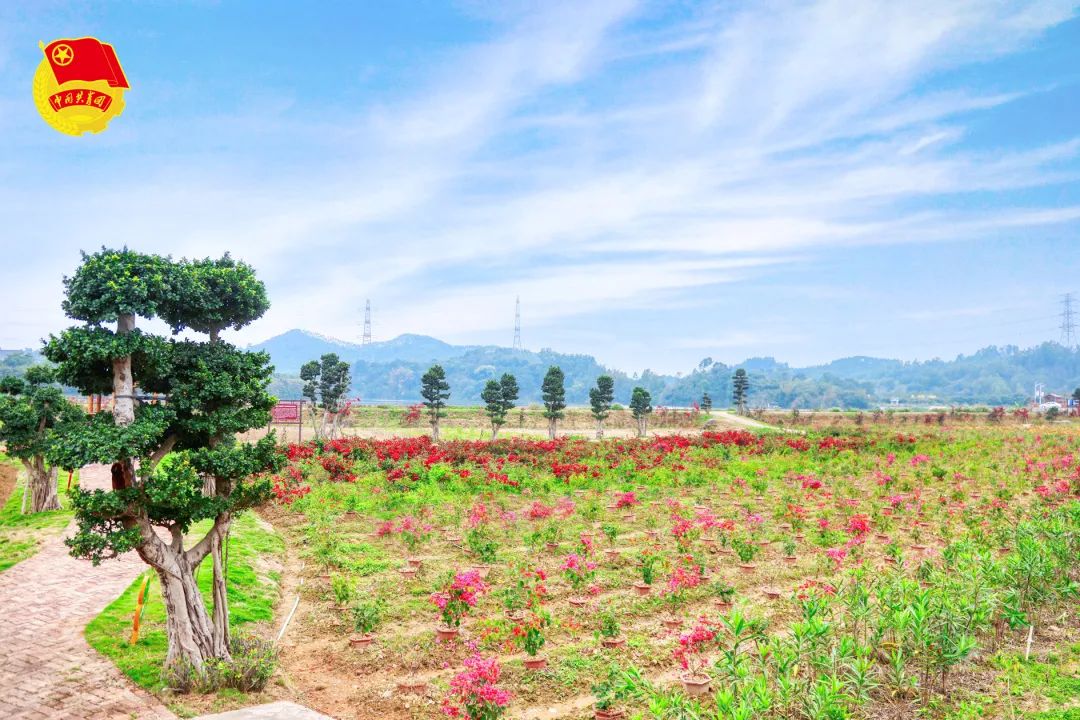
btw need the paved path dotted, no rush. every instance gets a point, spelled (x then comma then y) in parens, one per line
(47, 671)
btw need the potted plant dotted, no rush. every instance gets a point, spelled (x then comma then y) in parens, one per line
(893, 553)
(531, 637)
(342, 588)
(746, 551)
(673, 600)
(648, 572)
(608, 693)
(609, 630)
(513, 600)
(552, 536)
(691, 655)
(484, 547)
(474, 694)
(789, 550)
(611, 532)
(459, 593)
(578, 571)
(366, 617)
(724, 594)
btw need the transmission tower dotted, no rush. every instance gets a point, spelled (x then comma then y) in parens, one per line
(1068, 321)
(517, 324)
(366, 339)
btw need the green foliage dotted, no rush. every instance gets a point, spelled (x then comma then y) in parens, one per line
(740, 387)
(435, 391)
(367, 615)
(554, 393)
(640, 403)
(214, 392)
(326, 382)
(601, 396)
(499, 397)
(32, 412)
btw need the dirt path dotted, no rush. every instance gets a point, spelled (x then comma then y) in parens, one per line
(46, 668)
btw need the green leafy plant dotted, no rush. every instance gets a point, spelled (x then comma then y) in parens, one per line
(367, 615)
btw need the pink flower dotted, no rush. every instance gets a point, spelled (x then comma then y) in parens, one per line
(837, 555)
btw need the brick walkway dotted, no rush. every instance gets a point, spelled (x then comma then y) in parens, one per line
(47, 671)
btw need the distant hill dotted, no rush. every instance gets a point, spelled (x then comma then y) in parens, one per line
(292, 349)
(390, 372)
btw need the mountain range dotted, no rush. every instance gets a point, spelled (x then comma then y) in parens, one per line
(390, 372)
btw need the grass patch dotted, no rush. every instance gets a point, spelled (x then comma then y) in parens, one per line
(252, 593)
(22, 535)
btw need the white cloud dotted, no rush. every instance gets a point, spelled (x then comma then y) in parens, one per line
(588, 159)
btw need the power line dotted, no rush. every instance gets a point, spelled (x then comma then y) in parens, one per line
(517, 323)
(366, 339)
(1068, 321)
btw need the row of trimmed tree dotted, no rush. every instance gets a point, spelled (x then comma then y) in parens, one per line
(500, 397)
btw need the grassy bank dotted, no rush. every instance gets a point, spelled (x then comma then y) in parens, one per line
(255, 551)
(22, 535)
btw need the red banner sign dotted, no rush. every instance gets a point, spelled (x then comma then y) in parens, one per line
(89, 98)
(285, 412)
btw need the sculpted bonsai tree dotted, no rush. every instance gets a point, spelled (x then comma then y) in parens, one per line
(600, 398)
(32, 409)
(640, 407)
(435, 391)
(213, 392)
(326, 382)
(500, 397)
(554, 392)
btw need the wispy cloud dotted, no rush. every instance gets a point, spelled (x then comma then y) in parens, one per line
(582, 155)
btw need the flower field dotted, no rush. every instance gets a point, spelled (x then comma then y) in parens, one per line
(720, 575)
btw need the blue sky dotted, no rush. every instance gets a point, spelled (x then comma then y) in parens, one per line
(659, 182)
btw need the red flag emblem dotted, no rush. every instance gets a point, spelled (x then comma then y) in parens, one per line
(85, 59)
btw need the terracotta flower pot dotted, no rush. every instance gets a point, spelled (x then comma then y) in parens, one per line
(612, 555)
(747, 568)
(882, 537)
(615, 642)
(515, 616)
(482, 570)
(360, 641)
(446, 634)
(415, 562)
(578, 601)
(552, 546)
(407, 572)
(772, 594)
(672, 623)
(454, 539)
(642, 589)
(610, 714)
(695, 685)
(791, 559)
(411, 686)
(723, 605)
(535, 663)
(628, 517)
(652, 534)
(889, 560)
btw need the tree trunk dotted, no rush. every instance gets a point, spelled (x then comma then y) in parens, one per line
(435, 430)
(551, 428)
(494, 432)
(221, 598)
(599, 429)
(40, 487)
(123, 385)
(193, 636)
